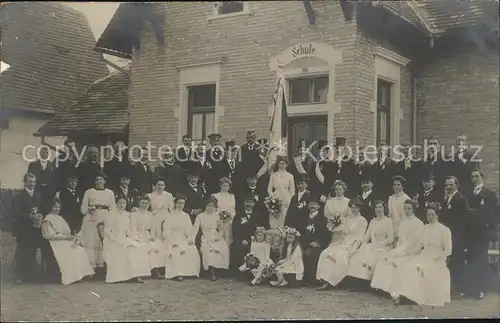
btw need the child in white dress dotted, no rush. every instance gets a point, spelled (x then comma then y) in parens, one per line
(290, 263)
(261, 249)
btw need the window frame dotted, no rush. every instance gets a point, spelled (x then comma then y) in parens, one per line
(311, 79)
(191, 111)
(387, 109)
(217, 15)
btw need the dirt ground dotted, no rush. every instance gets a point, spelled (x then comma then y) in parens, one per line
(199, 299)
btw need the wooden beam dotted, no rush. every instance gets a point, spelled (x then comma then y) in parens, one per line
(310, 12)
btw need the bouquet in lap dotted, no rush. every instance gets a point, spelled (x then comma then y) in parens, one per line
(273, 205)
(258, 260)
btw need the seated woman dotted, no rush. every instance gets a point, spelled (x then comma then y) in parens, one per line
(337, 206)
(410, 238)
(334, 260)
(183, 259)
(143, 231)
(378, 240)
(214, 248)
(426, 279)
(226, 202)
(125, 258)
(71, 257)
(162, 203)
(290, 267)
(96, 204)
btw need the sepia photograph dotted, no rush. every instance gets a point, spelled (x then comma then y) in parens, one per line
(249, 160)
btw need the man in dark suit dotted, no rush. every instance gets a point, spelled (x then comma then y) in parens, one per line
(314, 240)
(230, 162)
(427, 195)
(410, 169)
(434, 164)
(142, 175)
(345, 168)
(251, 190)
(173, 174)
(184, 155)
(462, 164)
(364, 168)
(481, 228)
(383, 171)
(25, 229)
(454, 216)
(367, 198)
(215, 162)
(124, 189)
(195, 194)
(88, 170)
(71, 202)
(44, 171)
(297, 210)
(116, 166)
(244, 224)
(65, 165)
(248, 159)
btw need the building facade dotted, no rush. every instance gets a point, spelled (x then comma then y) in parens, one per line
(368, 72)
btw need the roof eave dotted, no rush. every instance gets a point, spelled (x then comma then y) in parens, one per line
(111, 52)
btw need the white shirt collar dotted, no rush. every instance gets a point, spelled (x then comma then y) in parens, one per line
(478, 188)
(300, 193)
(30, 191)
(366, 194)
(312, 215)
(452, 195)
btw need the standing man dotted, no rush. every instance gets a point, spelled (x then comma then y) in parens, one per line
(383, 171)
(461, 165)
(142, 175)
(434, 163)
(195, 194)
(116, 166)
(71, 203)
(428, 194)
(345, 168)
(454, 216)
(325, 172)
(481, 228)
(410, 169)
(364, 168)
(184, 155)
(65, 164)
(26, 228)
(230, 161)
(367, 198)
(88, 170)
(248, 160)
(124, 189)
(173, 174)
(215, 163)
(44, 171)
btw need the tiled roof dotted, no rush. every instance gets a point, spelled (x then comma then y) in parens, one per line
(438, 16)
(102, 109)
(49, 48)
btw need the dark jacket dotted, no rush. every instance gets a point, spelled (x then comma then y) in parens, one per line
(21, 210)
(87, 173)
(70, 210)
(243, 227)
(258, 195)
(482, 219)
(382, 178)
(454, 216)
(412, 174)
(173, 175)
(131, 196)
(249, 161)
(367, 209)
(314, 230)
(114, 169)
(195, 199)
(347, 172)
(297, 210)
(45, 179)
(142, 179)
(424, 199)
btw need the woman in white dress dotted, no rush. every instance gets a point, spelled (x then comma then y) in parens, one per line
(226, 202)
(96, 204)
(183, 259)
(282, 186)
(291, 262)
(378, 240)
(162, 203)
(214, 248)
(338, 205)
(126, 259)
(397, 201)
(73, 262)
(426, 279)
(143, 231)
(334, 261)
(409, 243)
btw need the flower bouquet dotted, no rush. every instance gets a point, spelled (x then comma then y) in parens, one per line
(268, 271)
(224, 216)
(273, 206)
(251, 262)
(333, 222)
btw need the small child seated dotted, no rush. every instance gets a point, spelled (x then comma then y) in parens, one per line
(258, 261)
(290, 267)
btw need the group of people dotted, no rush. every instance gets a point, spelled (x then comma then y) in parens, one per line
(219, 212)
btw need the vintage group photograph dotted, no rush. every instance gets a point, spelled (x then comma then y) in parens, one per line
(249, 160)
